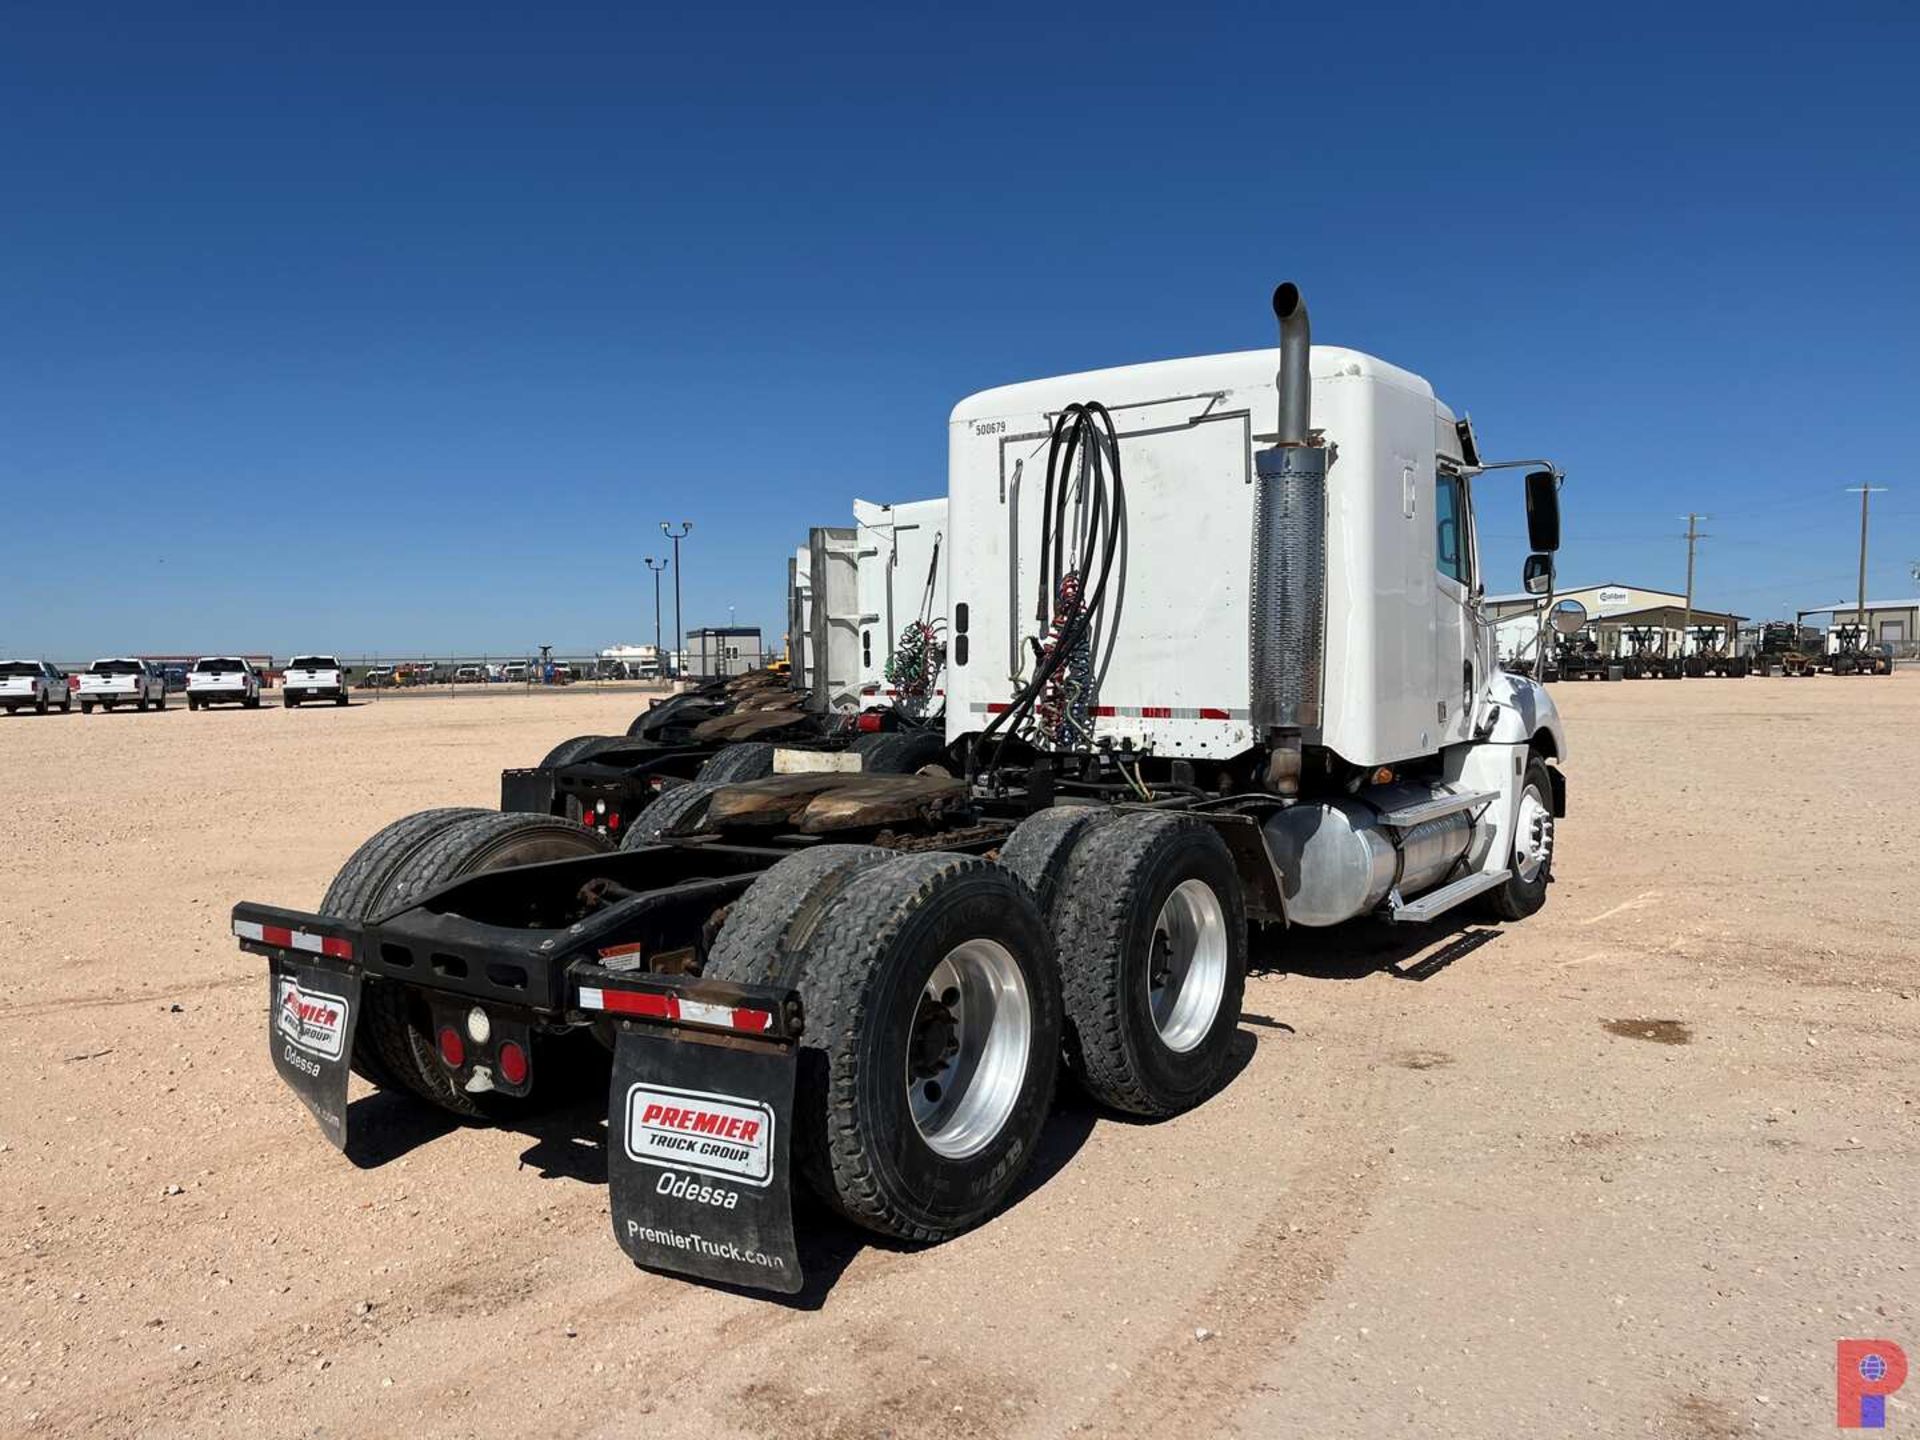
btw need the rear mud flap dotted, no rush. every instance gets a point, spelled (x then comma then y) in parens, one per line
(313, 1009)
(698, 1145)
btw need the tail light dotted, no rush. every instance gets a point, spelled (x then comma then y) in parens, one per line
(513, 1063)
(453, 1050)
(613, 820)
(869, 722)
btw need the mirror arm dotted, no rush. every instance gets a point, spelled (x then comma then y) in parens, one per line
(1558, 473)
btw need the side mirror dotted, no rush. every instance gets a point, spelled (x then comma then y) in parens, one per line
(1537, 578)
(1543, 511)
(1569, 617)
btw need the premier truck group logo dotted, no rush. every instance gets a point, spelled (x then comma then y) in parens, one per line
(696, 1130)
(311, 1019)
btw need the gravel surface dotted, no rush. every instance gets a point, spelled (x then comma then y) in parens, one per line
(1628, 1168)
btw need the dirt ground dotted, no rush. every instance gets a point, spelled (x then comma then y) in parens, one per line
(1629, 1168)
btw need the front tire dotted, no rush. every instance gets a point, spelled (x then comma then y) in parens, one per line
(1532, 859)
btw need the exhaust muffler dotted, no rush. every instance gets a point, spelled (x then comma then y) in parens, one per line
(1289, 582)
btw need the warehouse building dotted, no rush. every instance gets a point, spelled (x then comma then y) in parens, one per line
(1613, 610)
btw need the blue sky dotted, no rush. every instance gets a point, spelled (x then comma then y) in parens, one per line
(402, 326)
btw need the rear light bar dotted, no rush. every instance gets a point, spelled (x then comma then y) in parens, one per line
(294, 939)
(649, 1005)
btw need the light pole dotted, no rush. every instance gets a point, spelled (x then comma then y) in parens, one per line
(656, 566)
(679, 637)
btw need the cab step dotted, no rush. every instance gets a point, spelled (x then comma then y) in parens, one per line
(1408, 816)
(1438, 902)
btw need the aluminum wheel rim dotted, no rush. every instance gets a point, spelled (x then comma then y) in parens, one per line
(1532, 835)
(1187, 968)
(967, 1048)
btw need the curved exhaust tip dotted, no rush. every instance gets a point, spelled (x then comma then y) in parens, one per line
(1286, 300)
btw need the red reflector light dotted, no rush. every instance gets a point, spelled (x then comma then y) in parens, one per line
(513, 1064)
(869, 722)
(453, 1050)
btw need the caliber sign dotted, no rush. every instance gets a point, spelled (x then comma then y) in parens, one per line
(709, 1134)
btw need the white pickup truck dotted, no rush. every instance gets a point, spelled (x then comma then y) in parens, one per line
(35, 684)
(223, 679)
(122, 681)
(314, 677)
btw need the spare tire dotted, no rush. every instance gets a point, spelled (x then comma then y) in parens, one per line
(904, 752)
(932, 1019)
(746, 760)
(397, 1019)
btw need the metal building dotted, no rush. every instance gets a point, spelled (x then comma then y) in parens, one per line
(1889, 622)
(719, 650)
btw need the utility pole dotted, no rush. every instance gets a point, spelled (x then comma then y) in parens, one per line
(1694, 536)
(679, 635)
(659, 660)
(1860, 615)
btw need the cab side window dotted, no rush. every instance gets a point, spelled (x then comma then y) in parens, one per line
(1449, 538)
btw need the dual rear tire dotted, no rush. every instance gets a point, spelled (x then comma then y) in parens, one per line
(394, 1046)
(933, 1028)
(942, 991)
(1145, 910)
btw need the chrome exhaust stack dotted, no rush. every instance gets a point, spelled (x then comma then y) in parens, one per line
(1289, 584)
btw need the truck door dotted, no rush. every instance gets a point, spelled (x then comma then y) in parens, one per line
(1459, 670)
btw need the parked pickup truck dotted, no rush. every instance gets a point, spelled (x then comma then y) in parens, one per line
(223, 680)
(122, 681)
(314, 677)
(32, 683)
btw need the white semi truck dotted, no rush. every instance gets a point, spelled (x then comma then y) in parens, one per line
(1216, 657)
(902, 597)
